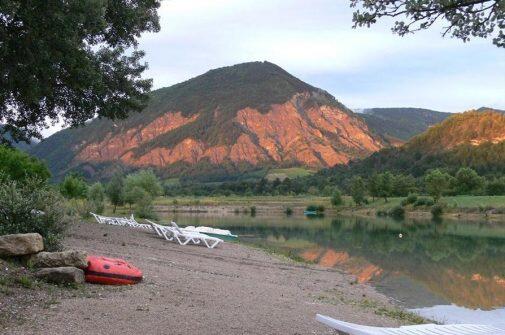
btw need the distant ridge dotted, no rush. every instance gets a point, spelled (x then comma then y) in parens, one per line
(401, 123)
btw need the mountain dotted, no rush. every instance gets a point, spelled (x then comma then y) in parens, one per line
(401, 123)
(231, 119)
(474, 139)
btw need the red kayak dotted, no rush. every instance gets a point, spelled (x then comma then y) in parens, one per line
(111, 271)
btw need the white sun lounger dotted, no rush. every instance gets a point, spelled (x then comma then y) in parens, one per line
(427, 329)
(182, 237)
(194, 237)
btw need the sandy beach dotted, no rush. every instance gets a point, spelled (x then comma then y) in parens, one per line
(233, 289)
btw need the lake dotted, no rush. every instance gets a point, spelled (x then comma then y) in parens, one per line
(452, 272)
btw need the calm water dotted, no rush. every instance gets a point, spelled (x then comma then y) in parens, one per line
(448, 271)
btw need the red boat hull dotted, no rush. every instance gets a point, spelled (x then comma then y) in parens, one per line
(111, 271)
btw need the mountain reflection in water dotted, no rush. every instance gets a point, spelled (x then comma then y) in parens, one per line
(428, 264)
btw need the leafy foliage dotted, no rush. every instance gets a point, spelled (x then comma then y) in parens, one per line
(358, 190)
(437, 183)
(69, 60)
(19, 166)
(96, 197)
(73, 186)
(32, 206)
(115, 191)
(464, 18)
(336, 198)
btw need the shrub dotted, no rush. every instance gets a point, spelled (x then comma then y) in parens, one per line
(19, 166)
(437, 210)
(96, 198)
(114, 190)
(424, 202)
(73, 186)
(144, 206)
(411, 198)
(320, 209)
(311, 208)
(397, 212)
(288, 211)
(79, 208)
(336, 198)
(32, 207)
(253, 210)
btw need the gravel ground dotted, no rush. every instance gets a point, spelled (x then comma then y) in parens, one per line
(232, 289)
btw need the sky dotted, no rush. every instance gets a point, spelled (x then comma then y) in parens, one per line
(314, 40)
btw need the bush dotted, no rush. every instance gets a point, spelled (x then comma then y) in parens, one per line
(32, 207)
(336, 198)
(79, 208)
(96, 198)
(253, 210)
(411, 198)
(288, 211)
(437, 210)
(19, 166)
(397, 212)
(144, 206)
(320, 209)
(73, 186)
(424, 202)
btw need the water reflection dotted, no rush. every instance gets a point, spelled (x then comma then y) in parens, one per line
(420, 263)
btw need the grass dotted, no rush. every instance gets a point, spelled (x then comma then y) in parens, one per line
(335, 297)
(288, 173)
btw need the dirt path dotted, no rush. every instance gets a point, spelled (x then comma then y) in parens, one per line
(232, 289)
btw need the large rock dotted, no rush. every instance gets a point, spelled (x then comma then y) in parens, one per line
(57, 259)
(21, 244)
(61, 275)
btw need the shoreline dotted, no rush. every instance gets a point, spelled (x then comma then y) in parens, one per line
(231, 289)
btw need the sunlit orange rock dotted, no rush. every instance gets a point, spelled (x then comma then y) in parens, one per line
(289, 134)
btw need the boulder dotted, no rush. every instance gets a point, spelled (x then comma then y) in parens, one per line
(61, 275)
(20, 244)
(74, 258)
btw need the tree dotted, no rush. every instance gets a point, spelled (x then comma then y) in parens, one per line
(496, 186)
(385, 185)
(336, 198)
(71, 61)
(464, 18)
(373, 186)
(358, 190)
(403, 185)
(114, 190)
(19, 166)
(73, 186)
(468, 181)
(437, 183)
(96, 197)
(144, 179)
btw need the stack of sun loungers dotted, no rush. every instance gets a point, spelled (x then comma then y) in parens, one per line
(117, 221)
(428, 329)
(171, 233)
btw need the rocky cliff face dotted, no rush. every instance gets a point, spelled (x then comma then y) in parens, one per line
(289, 133)
(245, 116)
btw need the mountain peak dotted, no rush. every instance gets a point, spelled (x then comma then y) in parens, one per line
(234, 118)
